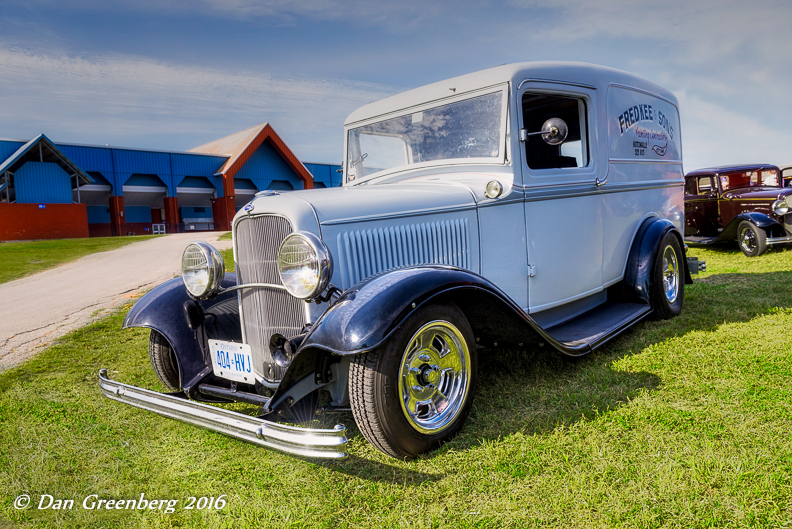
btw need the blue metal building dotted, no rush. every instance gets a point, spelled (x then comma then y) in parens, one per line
(122, 191)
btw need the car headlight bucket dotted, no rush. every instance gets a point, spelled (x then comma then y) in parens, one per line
(781, 207)
(304, 265)
(203, 269)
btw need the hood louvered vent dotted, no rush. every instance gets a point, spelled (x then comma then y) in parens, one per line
(364, 253)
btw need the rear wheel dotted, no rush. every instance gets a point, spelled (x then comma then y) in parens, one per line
(163, 360)
(414, 393)
(668, 285)
(752, 239)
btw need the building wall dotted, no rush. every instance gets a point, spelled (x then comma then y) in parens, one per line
(99, 215)
(137, 214)
(266, 165)
(325, 174)
(19, 222)
(38, 182)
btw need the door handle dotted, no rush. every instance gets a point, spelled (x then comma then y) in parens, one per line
(600, 183)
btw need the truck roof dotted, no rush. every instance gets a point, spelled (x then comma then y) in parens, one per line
(591, 75)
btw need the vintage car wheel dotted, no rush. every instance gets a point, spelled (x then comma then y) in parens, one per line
(414, 393)
(752, 239)
(163, 360)
(668, 282)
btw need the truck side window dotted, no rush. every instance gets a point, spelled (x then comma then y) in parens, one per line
(690, 186)
(574, 152)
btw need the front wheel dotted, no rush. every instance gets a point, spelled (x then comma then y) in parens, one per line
(414, 393)
(752, 239)
(668, 285)
(163, 360)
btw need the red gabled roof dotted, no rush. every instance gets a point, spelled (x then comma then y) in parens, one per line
(239, 147)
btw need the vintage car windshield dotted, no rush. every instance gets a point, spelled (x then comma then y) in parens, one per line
(766, 178)
(466, 129)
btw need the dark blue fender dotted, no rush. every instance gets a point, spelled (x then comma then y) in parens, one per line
(640, 263)
(187, 323)
(770, 225)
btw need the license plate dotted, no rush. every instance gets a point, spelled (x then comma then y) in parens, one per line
(232, 361)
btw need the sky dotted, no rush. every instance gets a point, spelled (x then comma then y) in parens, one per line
(174, 74)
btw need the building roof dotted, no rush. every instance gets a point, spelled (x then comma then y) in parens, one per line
(239, 147)
(47, 152)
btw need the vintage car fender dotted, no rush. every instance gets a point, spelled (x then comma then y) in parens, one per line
(761, 220)
(641, 260)
(187, 323)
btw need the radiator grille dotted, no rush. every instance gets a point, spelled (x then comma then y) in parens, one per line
(364, 253)
(264, 311)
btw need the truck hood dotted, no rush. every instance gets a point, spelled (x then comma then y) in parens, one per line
(358, 203)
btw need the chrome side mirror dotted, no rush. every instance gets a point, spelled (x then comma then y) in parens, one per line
(554, 132)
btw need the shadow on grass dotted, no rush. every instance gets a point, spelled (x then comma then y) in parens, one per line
(535, 391)
(380, 472)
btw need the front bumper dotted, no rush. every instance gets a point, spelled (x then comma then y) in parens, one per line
(778, 240)
(305, 442)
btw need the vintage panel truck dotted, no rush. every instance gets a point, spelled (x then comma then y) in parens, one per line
(528, 203)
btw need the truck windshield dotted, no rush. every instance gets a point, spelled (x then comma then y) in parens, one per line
(465, 129)
(766, 178)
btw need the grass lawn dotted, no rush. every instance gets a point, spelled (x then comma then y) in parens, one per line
(19, 259)
(225, 237)
(680, 423)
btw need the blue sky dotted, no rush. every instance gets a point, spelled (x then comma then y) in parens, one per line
(174, 74)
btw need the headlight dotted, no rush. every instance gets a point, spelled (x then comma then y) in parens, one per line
(304, 265)
(780, 207)
(202, 269)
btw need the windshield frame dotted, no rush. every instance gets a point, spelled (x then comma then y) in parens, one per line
(501, 159)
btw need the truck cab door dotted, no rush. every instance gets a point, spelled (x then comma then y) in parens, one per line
(563, 205)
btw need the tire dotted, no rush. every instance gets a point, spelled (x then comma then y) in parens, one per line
(163, 360)
(668, 284)
(751, 239)
(384, 384)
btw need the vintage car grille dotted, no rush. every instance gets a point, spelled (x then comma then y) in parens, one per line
(265, 311)
(364, 253)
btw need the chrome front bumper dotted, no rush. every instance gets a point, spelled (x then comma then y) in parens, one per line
(778, 240)
(305, 442)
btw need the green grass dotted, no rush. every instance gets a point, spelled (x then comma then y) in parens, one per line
(19, 259)
(225, 237)
(680, 423)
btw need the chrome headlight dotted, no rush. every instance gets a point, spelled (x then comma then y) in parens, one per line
(781, 207)
(304, 265)
(202, 269)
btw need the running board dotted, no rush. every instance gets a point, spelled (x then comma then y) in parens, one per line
(305, 442)
(598, 325)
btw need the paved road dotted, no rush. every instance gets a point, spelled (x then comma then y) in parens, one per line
(36, 310)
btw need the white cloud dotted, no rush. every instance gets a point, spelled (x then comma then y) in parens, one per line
(160, 105)
(713, 135)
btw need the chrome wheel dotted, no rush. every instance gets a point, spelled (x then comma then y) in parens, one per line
(748, 240)
(670, 274)
(434, 379)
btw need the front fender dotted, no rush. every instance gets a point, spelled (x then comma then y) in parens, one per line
(761, 220)
(187, 323)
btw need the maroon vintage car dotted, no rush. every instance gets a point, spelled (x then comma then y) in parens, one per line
(746, 203)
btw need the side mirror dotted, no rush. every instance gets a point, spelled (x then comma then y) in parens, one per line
(554, 132)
